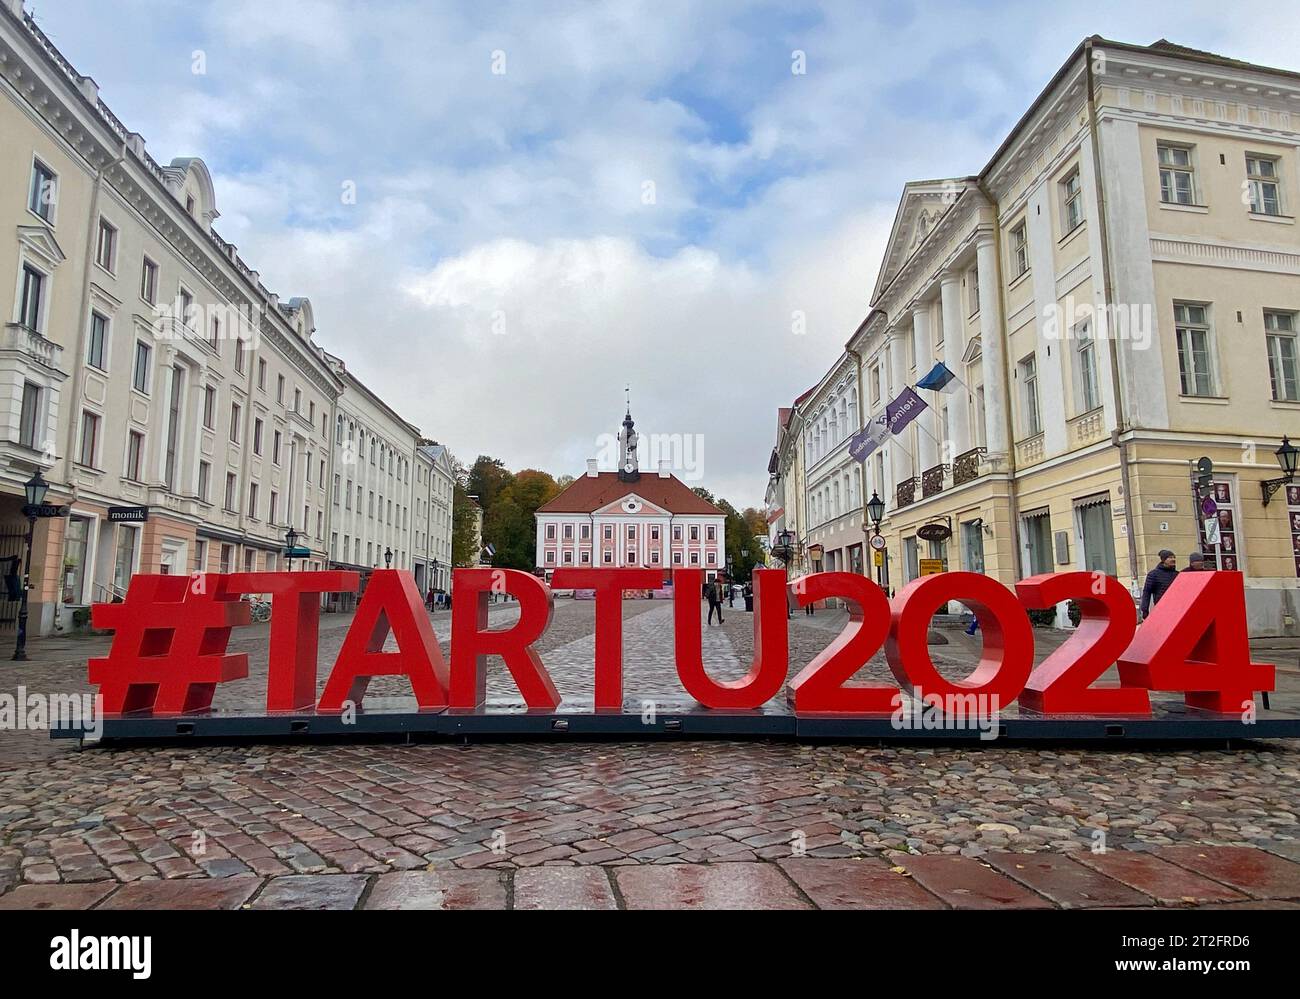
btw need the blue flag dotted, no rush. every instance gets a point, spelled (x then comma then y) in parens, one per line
(937, 378)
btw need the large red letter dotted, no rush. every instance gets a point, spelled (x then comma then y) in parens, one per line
(391, 603)
(472, 641)
(1196, 641)
(819, 687)
(1008, 653)
(1062, 684)
(610, 585)
(295, 629)
(771, 662)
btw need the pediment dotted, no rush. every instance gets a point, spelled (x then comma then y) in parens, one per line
(922, 205)
(631, 505)
(39, 241)
(973, 350)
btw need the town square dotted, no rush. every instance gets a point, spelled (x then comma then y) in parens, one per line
(614, 456)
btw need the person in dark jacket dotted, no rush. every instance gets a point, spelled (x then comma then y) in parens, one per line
(714, 595)
(1159, 580)
(1196, 563)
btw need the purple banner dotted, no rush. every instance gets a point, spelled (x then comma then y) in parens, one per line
(904, 410)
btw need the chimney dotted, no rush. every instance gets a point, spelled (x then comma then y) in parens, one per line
(663, 469)
(591, 468)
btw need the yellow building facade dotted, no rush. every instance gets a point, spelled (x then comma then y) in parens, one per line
(1118, 296)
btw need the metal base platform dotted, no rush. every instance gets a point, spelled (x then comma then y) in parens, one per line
(1169, 722)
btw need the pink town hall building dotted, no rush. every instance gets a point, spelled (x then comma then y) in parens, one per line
(630, 518)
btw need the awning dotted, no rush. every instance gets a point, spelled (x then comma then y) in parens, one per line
(1096, 499)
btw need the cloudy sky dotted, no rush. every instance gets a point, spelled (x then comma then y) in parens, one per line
(555, 199)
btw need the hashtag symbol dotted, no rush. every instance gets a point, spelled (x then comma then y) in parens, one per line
(169, 646)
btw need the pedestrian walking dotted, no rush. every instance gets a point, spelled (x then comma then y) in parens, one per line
(714, 596)
(1159, 580)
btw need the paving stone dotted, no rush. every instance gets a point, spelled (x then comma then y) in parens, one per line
(707, 886)
(311, 891)
(443, 889)
(1166, 882)
(563, 888)
(965, 883)
(857, 884)
(1254, 872)
(1066, 882)
(81, 896)
(209, 893)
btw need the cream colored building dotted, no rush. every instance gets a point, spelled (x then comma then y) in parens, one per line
(175, 404)
(1117, 292)
(435, 492)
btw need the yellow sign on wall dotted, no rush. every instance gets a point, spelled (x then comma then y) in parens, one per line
(878, 558)
(931, 566)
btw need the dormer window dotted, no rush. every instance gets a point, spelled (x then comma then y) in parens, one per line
(189, 204)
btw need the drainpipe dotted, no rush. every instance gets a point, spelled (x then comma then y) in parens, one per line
(862, 468)
(1013, 501)
(1116, 436)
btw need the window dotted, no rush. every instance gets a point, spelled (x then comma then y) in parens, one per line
(347, 496)
(210, 406)
(149, 281)
(275, 447)
(29, 420)
(215, 338)
(631, 532)
(140, 374)
(205, 478)
(695, 558)
(230, 492)
(1262, 181)
(257, 436)
(1280, 328)
(308, 468)
(608, 557)
(1071, 203)
(173, 427)
(695, 533)
(677, 558)
(239, 354)
(1033, 423)
(1019, 250)
(1086, 355)
(279, 389)
(89, 438)
(654, 533)
(29, 313)
(250, 559)
(568, 532)
(1192, 329)
(631, 556)
(186, 308)
(227, 557)
(274, 511)
(261, 374)
(973, 289)
(609, 532)
(43, 191)
(98, 340)
(252, 500)
(106, 246)
(1177, 175)
(336, 490)
(234, 422)
(677, 533)
(713, 533)
(297, 408)
(200, 556)
(189, 204)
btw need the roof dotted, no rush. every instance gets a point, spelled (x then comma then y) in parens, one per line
(589, 493)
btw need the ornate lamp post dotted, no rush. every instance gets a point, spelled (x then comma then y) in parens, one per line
(388, 558)
(290, 543)
(35, 489)
(876, 512)
(1287, 455)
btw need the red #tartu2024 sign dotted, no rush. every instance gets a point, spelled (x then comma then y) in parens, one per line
(171, 634)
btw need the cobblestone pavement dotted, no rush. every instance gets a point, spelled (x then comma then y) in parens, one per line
(480, 817)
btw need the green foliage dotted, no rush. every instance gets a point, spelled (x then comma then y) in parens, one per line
(509, 524)
(463, 549)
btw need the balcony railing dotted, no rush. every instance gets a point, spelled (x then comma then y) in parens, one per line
(1030, 451)
(907, 491)
(1088, 427)
(932, 480)
(966, 466)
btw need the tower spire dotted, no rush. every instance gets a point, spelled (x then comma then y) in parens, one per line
(629, 467)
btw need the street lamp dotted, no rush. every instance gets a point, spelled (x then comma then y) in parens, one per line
(290, 543)
(876, 510)
(388, 558)
(35, 489)
(1287, 456)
